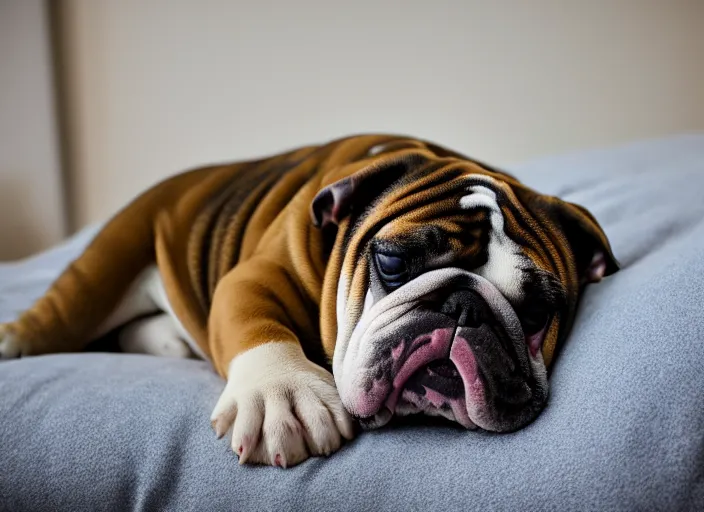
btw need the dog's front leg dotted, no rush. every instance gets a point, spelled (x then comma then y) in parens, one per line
(281, 406)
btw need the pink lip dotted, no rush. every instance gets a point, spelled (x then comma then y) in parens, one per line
(535, 342)
(439, 344)
(435, 345)
(465, 362)
(423, 350)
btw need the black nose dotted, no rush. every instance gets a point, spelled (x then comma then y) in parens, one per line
(467, 308)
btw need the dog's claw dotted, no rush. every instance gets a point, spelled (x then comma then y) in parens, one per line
(219, 428)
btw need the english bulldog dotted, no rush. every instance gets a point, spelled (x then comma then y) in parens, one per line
(335, 285)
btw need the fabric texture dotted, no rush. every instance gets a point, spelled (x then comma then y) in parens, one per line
(624, 428)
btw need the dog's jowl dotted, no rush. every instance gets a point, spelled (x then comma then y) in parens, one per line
(373, 276)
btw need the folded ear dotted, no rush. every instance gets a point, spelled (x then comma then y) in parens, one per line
(584, 235)
(335, 202)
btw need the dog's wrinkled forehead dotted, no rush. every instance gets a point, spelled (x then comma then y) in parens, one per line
(473, 228)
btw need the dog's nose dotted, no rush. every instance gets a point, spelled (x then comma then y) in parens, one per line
(466, 307)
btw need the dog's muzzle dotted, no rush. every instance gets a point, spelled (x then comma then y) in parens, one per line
(456, 350)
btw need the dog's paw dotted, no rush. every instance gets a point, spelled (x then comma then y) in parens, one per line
(282, 408)
(9, 344)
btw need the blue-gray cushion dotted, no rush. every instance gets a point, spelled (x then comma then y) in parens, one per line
(624, 429)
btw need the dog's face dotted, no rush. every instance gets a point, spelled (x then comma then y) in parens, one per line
(452, 286)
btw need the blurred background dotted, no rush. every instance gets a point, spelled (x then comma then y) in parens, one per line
(101, 98)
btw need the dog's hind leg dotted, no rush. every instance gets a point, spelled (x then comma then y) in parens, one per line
(69, 315)
(95, 293)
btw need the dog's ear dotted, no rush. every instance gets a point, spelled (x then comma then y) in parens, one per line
(336, 201)
(583, 233)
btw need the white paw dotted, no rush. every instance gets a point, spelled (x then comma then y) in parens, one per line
(9, 345)
(282, 408)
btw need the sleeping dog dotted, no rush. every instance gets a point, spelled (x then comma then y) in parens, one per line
(426, 281)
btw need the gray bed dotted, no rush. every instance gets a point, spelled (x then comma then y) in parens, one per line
(624, 429)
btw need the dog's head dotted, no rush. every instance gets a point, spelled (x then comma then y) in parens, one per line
(449, 287)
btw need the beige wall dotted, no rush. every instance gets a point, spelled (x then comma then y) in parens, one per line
(160, 85)
(31, 205)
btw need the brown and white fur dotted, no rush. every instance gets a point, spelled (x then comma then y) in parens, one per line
(426, 281)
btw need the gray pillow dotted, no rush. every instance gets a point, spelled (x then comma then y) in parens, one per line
(624, 429)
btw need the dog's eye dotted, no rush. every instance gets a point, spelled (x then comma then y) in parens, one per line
(534, 320)
(392, 269)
